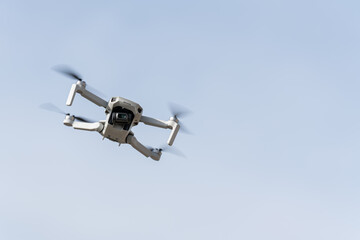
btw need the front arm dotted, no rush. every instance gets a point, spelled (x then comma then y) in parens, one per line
(96, 126)
(80, 87)
(173, 124)
(131, 139)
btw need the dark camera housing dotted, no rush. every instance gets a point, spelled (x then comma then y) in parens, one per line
(121, 116)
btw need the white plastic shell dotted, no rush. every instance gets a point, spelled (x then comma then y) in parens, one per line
(116, 132)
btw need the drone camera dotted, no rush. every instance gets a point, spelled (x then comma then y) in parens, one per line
(121, 118)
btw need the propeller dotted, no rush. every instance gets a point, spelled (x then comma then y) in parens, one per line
(67, 71)
(71, 73)
(52, 108)
(168, 149)
(177, 112)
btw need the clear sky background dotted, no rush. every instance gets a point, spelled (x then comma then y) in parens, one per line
(274, 91)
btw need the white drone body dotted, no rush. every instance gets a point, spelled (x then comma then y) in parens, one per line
(121, 115)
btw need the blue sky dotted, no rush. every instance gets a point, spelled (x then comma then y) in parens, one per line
(273, 87)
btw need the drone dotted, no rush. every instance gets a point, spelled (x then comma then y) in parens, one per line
(121, 116)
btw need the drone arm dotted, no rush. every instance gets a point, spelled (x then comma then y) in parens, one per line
(70, 122)
(154, 122)
(131, 139)
(175, 129)
(80, 87)
(172, 124)
(93, 98)
(72, 93)
(97, 126)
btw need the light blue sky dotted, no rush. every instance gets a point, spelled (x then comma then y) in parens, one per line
(274, 87)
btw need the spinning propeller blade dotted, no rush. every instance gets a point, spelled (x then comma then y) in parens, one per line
(82, 119)
(67, 71)
(168, 149)
(52, 108)
(177, 112)
(172, 150)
